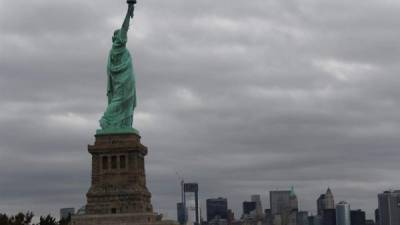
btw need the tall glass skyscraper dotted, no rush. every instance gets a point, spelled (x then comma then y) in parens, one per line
(343, 214)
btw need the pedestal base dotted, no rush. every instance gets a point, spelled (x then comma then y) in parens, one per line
(120, 219)
(118, 194)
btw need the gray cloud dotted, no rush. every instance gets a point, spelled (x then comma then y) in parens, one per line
(243, 97)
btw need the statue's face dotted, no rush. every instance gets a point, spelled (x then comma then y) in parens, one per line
(115, 35)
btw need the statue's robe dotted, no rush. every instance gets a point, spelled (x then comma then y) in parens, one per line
(120, 86)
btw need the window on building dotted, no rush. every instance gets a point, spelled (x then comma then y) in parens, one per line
(105, 163)
(113, 210)
(122, 162)
(113, 162)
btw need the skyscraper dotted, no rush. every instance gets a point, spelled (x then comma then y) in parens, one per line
(314, 220)
(230, 217)
(329, 200)
(282, 201)
(377, 217)
(249, 207)
(325, 201)
(285, 205)
(66, 212)
(269, 218)
(329, 217)
(279, 201)
(357, 217)
(320, 204)
(302, 218)
(389, 208)
(181, 213)
(191, 202)
(257, 200)
(343, 213)
(217, 207)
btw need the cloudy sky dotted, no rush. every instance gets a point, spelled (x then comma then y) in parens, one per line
(243, 97)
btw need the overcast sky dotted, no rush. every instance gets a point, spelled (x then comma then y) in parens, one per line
(243, 97)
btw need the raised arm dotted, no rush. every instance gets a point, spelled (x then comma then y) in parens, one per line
(125, 25)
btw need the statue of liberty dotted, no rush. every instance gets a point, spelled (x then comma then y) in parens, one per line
(121, 93)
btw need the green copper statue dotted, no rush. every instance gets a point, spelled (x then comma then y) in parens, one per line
(121, 92)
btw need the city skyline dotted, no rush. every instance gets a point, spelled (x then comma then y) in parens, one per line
(265, 200)
(241, 97)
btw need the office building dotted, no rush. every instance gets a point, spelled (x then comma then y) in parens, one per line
(217, 208)
(190, 200)
(302, 218)
(329, 217)
(343, 213)
(314, 220)
(249, 207)
(284, 204)
(259, 209)
(268, 217)
(66, 212)
(377, 217)
(282, 201)
(389, 208)
(279, 201)
(325, 201)
(230, 217)
(357, 217)
(181, 213)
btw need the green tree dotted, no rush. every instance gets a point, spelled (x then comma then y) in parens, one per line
(4, 220)
(48, 220)
(19, 219)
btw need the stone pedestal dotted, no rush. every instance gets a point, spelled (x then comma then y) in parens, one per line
(118, 194)
(119, 219)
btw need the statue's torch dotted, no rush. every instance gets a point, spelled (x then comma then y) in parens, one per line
(131, 4)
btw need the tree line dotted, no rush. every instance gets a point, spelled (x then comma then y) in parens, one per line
(26, 219)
